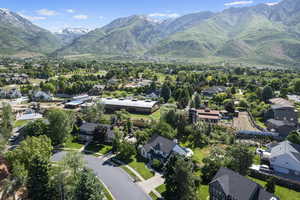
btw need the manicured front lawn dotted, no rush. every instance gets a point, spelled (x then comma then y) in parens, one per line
(200, 154)
(21, 123)
(98, 148)
(153, 196)
(141, 168)
(128, 171)
(161, 189)
(282, 192)
(73, 145)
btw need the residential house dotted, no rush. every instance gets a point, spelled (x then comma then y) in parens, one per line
(96, 90)
(162, 148)
(41, 96)
(281, 127)
(77, 101)
(213, 91)
(285, 158)
(229, 185)
(206, 115)
(87, 132)
(283, 112)
(134, 106)
(10, 94)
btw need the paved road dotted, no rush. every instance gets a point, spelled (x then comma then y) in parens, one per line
(118, 181)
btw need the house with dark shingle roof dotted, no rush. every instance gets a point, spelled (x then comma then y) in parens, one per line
(87, 132)
(281, 127)
(213, 91)
(161, 148)
(228, 184)
(285, 158)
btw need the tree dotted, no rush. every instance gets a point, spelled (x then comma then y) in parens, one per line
(60, 126)
(29, 149)
(7, 121)
(116, 141)
(164, 129)
(229, 105)
(100, 134)
(294, 137)
(9, 187)
(38, 179)
(88, 187)
(93, 113)
(271, 185)
(35, 128)
(297, 86)
(126, 151)
(165, 92)
(197, 101)
(180, 180)
(212, 164)
(240, 158)
(267, 93)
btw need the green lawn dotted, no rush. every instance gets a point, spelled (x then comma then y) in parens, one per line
(128, 171)
(141, 168)
(21, 123)
(282, 192)
(161, 189)
(98, 148)
(153, 196)
(73, 144)
(154, 116)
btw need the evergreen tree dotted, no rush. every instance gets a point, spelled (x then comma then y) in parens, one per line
(7, 121)
(180, 180)
(197, 101)
(267, 93)
(38, 179)
(88, 187)
(165, 92)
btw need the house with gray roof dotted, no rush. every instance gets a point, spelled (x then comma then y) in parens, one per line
(283, 128)
(285, 158)
(42, 96)
(87, 132)
(213, 91)
(162, 148)
(228, 184)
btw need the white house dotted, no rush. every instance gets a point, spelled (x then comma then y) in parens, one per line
(285, 158)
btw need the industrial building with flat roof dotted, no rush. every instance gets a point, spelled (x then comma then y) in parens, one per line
(135, 106)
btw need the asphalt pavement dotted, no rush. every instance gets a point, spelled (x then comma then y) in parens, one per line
(118, 181)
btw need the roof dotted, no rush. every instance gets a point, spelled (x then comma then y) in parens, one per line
(279, 123)
(257, 133)
(128, 102)
(74, 103)
(279, 106)
(160, 143)
(240, 187)
(209, 117)
(286, 147)
(90, 128)
(208, 112)
(281, 101)
(215, 89)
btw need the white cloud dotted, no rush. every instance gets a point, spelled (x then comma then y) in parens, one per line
(81, 17)
(46, 12)
(235, 3)
(166, 15)
(272, 3)
(70, 10)
(101, 17)
(32, 18)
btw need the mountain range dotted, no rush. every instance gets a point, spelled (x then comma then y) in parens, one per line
(260, 34)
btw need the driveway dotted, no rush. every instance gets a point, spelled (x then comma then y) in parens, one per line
(118, 181)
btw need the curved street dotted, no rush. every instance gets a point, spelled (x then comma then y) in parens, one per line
(118, 181)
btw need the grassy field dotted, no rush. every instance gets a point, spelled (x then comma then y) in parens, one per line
(161, 189)
(154, 116)
(98, 148)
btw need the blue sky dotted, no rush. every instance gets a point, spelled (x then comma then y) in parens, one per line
(57, 14)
